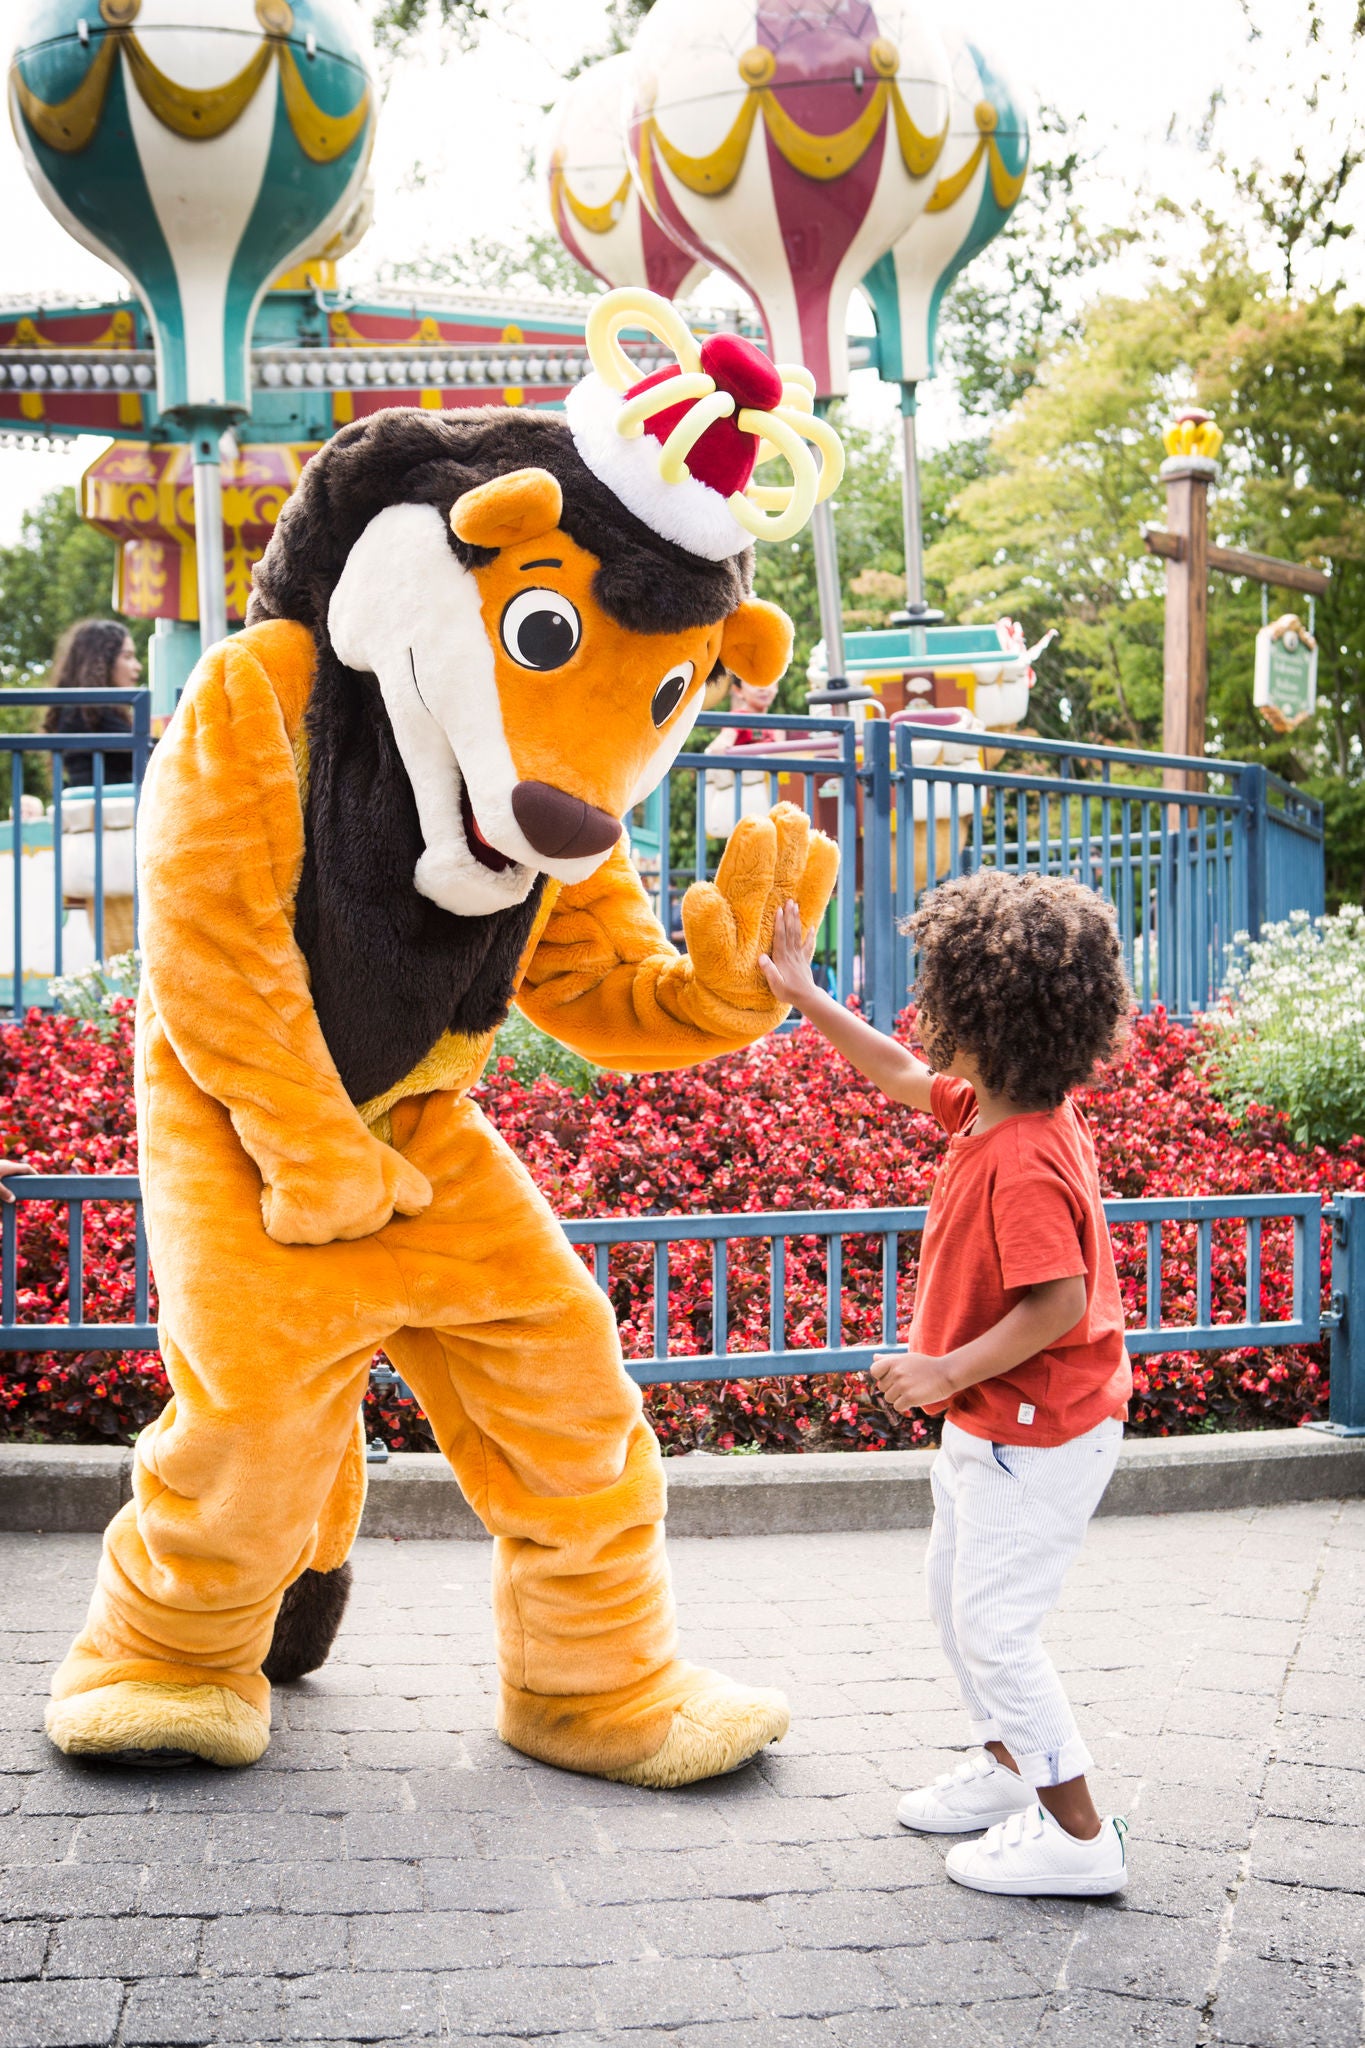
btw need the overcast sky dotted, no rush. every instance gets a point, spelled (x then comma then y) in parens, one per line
(454, 136)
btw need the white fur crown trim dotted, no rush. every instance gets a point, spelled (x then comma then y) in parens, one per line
(689, 512)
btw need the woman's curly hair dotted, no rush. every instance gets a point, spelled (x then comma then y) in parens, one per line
(1025, 973)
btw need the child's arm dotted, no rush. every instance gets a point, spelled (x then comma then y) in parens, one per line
(885, 1063)
(8, 1166)
(909, 1379)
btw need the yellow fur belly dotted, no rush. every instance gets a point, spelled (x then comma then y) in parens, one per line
(455, 1062)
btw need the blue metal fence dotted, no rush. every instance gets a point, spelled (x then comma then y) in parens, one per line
(1304, 1214)
(1185, 875)
(42, 846)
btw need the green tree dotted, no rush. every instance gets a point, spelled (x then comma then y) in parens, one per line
(1051, 531)
(1016, 302)
(58, 571)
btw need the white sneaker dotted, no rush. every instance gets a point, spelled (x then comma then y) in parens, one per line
(976, 1795)
(1032, 1857)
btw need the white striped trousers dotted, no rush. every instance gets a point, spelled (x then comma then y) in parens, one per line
(1008, 1520)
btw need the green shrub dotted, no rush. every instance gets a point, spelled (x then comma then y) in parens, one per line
(533, 1053)
(1290, 1030)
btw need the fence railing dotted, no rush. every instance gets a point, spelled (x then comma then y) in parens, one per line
(1185, 873)
(1185, 876)
(79, 852)
(654, 1238)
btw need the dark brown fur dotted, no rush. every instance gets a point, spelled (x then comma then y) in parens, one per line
(307, 1623)
(1025, 973)
(390, 970)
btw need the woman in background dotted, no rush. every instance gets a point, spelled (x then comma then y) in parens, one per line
(94, 654)
(98, 654)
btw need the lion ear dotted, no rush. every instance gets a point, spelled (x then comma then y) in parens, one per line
(508, 510)
(756, 642)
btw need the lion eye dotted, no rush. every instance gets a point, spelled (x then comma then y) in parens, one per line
(671, 692)
(540, 629)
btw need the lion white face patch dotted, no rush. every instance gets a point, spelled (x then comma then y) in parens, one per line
(405, 611)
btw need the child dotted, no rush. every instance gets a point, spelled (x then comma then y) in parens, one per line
(1017, 1334)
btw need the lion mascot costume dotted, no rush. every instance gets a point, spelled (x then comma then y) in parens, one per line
(384, 812)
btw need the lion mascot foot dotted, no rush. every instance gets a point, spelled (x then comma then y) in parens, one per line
(676, 1728)
(148, 1723)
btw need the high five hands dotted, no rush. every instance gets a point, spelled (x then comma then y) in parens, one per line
(787, 968)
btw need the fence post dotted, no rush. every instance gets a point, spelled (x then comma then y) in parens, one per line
(1345, 1320)
(879, 935)
(1252, 788)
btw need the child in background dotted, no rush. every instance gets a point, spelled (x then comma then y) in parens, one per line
(1017, 1339)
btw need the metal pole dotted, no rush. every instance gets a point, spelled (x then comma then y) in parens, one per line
(914, 528)
(917, 614)
(208, 533)
(1345, 1319)
(827, 588)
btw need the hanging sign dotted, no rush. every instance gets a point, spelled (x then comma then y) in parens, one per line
(1286, 688)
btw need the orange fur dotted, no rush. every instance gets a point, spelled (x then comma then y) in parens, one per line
(289, 1241)
(585, 727)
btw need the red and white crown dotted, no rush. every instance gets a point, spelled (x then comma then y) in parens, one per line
(679, 448)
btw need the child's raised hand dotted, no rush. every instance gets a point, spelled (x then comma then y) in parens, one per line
(787, 969)
(8, 1166)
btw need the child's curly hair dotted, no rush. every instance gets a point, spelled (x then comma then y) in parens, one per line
(1025, 973)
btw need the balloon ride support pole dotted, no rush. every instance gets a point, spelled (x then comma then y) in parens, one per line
(914, 530)
(208, 532)
(827, 589)
(917, 614)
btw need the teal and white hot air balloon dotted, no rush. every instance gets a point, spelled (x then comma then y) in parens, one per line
(979, 179)
(200, 147)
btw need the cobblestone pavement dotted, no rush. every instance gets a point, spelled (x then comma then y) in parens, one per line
(390, 1872)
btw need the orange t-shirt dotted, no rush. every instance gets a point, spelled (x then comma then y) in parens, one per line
(1014, 1206)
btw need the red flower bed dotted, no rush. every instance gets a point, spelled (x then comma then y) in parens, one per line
(787, 1125)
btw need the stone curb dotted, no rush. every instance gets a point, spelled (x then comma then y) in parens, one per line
(51, 1488)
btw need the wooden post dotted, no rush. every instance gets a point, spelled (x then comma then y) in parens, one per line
(1187, 478)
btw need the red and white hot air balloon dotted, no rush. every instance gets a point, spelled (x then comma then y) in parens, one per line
(593, 201)
(789, 143)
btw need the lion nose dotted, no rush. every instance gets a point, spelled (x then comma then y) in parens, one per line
(560, 826)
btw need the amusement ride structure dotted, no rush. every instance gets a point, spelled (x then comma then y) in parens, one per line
(216, 152)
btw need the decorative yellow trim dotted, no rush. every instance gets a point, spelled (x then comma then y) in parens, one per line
(595, 220)
(196, 114)
(828, 156)
(316, 273)
(68, 126)
(1006, 185)
(1193, 435)
(919, 152)
(823, 157)
(711, 175)
(321, 137)
(118, 334)
(949, 190)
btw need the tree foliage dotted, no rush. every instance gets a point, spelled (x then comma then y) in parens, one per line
(58, 570)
